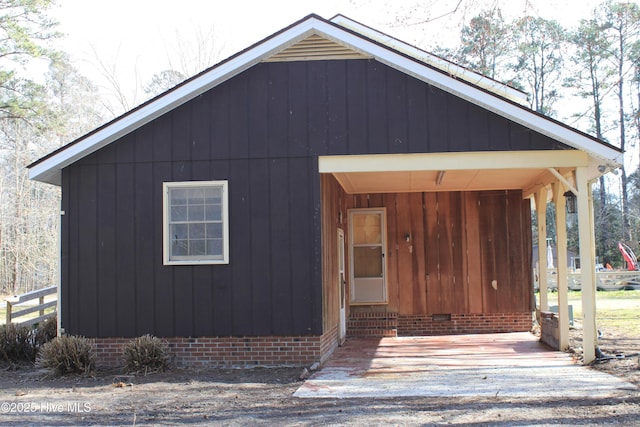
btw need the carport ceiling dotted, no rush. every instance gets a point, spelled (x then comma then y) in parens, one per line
(461, 171)
(443, 180)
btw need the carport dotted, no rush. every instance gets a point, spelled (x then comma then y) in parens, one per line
(505, 365)
(542, 176)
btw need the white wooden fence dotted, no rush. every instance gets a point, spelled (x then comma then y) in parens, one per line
(22, 305)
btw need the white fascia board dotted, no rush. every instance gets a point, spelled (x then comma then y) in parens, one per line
(481, 98)
(49, 169)
(441, 63)
(481, 160)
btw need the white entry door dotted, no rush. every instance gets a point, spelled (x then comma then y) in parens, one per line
(367, 251)
(342, 291)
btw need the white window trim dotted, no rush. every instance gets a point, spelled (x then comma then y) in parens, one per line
(166, 238)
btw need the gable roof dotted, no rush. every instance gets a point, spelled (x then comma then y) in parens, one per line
(339, 38)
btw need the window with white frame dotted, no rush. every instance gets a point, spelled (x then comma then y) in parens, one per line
(196, 226)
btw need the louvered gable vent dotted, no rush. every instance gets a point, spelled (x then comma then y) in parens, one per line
(315, 48)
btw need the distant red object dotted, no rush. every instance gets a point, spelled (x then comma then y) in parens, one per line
(629, 256)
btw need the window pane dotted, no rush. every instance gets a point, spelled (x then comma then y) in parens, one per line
(196, 213)
(366, 228)
(178, 196)
(367, 261)
(214, 230)
(179, 247)
(213, 195)
(196, 196)
(196, 231)
(213, 213)
(179, 231)
(214, 247)
(178, 213)
(196, 247)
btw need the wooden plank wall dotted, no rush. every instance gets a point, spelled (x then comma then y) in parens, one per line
(460, 242)
(333, 217)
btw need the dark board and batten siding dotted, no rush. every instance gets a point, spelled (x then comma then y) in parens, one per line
(262, 130)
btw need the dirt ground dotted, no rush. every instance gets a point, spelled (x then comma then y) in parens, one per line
(237, 397)
(623, 350)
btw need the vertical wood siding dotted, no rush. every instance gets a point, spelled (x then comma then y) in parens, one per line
(460, 243)
(263, 130)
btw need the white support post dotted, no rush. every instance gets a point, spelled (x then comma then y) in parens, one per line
(541, 213)
(587, 265)
(563, 273)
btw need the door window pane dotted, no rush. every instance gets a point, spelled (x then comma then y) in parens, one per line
(367, 261)
(366, 228)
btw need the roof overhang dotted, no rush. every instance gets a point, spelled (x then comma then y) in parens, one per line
(471, 171)
(48, 169)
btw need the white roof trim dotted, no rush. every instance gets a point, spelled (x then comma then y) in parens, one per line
(48, 170)
(478, 160)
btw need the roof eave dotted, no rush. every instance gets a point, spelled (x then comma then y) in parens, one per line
(41, 169)
(48, 169)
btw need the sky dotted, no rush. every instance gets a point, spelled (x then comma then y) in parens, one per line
(137, 38)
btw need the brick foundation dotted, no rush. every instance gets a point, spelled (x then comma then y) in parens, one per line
(372, 324)
(481, 323)
(230, 351)
(389, 324)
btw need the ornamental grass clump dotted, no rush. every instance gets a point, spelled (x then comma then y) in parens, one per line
(145, 354)
(68, 354)
(45, 331)
(17, 343)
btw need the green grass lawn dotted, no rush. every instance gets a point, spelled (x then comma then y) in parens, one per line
(614, 309)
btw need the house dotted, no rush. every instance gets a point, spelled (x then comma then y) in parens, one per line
(329, 181)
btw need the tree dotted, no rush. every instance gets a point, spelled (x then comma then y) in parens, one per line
(120, 95)
(24, 31)
(592, 77)
(195, 52)
(162, 82)
(73, 104)
(36, 117)
(539, 62)
(623, 24)
(29, 211)
(591, 81)
(485, 44)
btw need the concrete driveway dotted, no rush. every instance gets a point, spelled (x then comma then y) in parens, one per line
(512, 364)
